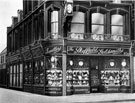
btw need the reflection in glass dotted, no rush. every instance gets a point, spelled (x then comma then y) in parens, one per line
(77, 23)
(97, 29)
(117, 19)
(78, 17)
(77, 28)
(97, 18)
(54, 24)
(117, 30)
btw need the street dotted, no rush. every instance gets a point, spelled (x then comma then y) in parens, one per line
(12, 96)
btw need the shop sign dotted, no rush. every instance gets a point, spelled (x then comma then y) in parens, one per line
(96, 50)
(53, 50)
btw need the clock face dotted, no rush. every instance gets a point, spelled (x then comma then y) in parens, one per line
(80, 63)
(69, 8)
(112, 63)
(71, 62)
(52, 59)
(124, 63)
(42, 63)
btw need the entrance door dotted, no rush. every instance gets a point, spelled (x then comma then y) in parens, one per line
(94, 75)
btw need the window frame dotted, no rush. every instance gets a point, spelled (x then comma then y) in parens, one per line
(105, 12)
(124, 13)
(49, 9)
(81, 9)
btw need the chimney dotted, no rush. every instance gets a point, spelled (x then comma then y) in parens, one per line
(20, 15)
(14, 20)
(8, 29)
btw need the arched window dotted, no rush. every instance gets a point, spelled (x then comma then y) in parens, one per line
(117, 27)
(119, 24)
(53, 17)
(98, 22)
(78, 23)
(54, 24)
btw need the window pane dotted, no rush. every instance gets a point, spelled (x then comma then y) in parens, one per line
(97, 29)
(54, 16)
(117, 20)
(77, 28)
(117, 30)
(97, 18)
(54, 27)
(78, 17)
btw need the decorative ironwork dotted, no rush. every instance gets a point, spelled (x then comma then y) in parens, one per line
(98, 37)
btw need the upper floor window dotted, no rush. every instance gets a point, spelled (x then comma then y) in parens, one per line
(97, 26)
(54, 24)
(77, 26)
(117, 25)
(53, 18)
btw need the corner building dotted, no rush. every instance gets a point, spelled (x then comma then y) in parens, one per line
(72, 47)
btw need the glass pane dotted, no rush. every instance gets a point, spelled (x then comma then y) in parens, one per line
(10, 79)
(21, 79)
(77, 28)
(117, 20)
(54, 27)
(97, 18)
(21, 68)
(97, 29)
(117, 30)
(54, 16)
(78, 17)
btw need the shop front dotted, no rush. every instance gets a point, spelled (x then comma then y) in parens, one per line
(91, 70)
(87, 69)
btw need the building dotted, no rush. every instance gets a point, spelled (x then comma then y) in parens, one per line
(72, 46)
(3, 72)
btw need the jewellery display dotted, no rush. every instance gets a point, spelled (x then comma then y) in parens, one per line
(54, 77)
(54, 73)
(115, 78)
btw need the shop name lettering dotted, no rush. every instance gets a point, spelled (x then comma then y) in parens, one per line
(53, 50)
(95, 50)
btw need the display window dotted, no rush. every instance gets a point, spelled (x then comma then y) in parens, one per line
(77, 72)
(117, 73)
(54, 71)
(28, 73)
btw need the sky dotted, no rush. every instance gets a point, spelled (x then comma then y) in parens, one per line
(8, 8)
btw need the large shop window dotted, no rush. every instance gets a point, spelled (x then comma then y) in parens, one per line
(28, 72)
(97, 26)
(16, 74)
(54, 24)
(54, 71)
(117, 27)
(77, 26)
(39, 72)
(116, 73)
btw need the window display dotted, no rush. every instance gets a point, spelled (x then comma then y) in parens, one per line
(78, 73)
(110, 78)
(80, 78)
(124, 74)
(54, 73)
(116, 75)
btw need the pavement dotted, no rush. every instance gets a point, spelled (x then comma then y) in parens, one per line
(13, 96)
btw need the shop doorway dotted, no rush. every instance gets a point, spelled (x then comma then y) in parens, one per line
(94, 75)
